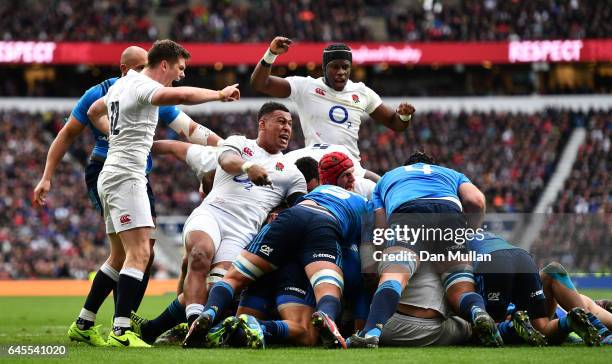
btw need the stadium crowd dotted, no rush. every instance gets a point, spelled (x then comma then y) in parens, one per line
(509, 156)
(354, 20)
(577, 234)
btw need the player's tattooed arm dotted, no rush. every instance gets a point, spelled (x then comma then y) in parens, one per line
(232, 163)
(97, 114)
(398, 120)
(262, 81)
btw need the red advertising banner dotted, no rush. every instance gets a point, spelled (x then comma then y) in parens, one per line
(205, 54)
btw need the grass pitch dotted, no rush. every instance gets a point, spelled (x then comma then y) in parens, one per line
(45, 320)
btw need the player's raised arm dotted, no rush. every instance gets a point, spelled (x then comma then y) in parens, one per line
(97, 114)
(232, 163)
(57, 150)
(261, 80)
(397, 120)
(186, 95)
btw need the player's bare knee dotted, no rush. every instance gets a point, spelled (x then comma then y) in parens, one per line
(200, 259)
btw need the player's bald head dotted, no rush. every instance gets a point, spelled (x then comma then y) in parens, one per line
(133, 58)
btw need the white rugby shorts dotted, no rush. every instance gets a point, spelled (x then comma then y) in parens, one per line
(228, 235)
(125, 201)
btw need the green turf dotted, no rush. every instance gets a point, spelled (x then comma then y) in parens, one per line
(30, 320)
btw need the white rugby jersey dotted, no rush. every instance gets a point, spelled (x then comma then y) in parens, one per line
(317, 151)
(132, 122)
(330, 116)
(363, 186)
(241, 198)
(201, 159)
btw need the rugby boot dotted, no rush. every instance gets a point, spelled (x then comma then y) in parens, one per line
(90, 336)
(129, 339)
(579, 323)
(219, 335)
(197, 332)
(328, 331)
(523, 328)
(174, 336)
(485, 329)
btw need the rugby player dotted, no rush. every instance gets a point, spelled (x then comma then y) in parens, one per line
(250, 180)
(105, 279)
(286, 293)
(424, 196)
(361, 185)
(312, 231)
(132, 105)
(331, 107)
(512, 276)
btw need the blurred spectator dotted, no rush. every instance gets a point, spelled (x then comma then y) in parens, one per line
(510, 156)
(304, 20)
(577, 233)
(77, 20)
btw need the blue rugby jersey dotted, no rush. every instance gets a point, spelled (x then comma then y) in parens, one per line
(489, 244)
(416, 181)
(167, 114)
(349, 208)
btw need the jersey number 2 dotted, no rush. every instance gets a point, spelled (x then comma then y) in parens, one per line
(114, 117)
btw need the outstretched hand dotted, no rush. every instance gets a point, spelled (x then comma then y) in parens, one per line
(230, 93)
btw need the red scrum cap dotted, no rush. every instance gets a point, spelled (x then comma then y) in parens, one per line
(332, 165)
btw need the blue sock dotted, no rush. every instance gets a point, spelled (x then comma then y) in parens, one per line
(384, 304)
(601, 328)
(330, 305)
(173, 315)
(275, 331)
(506, 330)
(470, 303)
(564, 325)
(219, 298)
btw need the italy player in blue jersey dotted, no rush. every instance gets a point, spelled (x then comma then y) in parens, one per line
(105, 280)
(426, 198)
(512, 276)
(313, 231)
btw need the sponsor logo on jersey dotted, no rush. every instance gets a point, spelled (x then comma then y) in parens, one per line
(247, 151)
(265, 249)
(245, 182)
(355, 98)
(323, 255)
(493, 296)
(536, 293)
(319, 91)
(125, 219)
(280, 167)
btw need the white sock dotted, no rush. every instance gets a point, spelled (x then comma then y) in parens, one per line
(194, 309)
(87, 315)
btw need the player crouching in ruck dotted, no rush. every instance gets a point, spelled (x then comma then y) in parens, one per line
(425, 196)
(313, 232)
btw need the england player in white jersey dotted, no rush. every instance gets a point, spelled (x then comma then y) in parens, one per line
(331, 108)
(252, 178)
(132, 108)
(360, 184)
